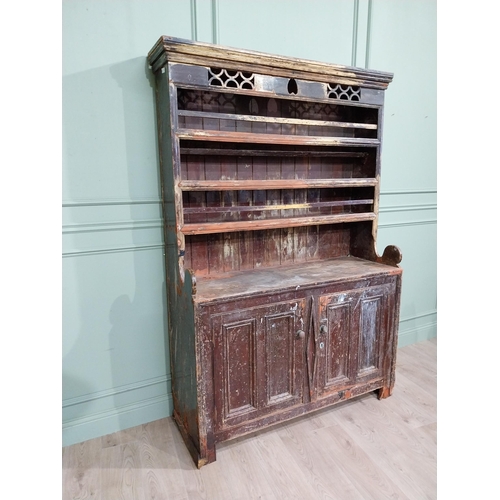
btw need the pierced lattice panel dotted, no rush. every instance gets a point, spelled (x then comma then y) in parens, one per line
(343, 92)
(231, 78)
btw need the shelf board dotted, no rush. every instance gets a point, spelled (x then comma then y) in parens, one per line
(254, 225)
(267, 184)
(269, 152)
(265, 208)
(282, 121)
(261, 138)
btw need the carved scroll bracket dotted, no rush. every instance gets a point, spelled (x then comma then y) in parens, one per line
(392, 256)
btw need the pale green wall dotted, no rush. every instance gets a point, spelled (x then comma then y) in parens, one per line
(115, 366)
(402, 39)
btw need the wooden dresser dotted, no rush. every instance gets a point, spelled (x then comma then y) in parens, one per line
(278, 302)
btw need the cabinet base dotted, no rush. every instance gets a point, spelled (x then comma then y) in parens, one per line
(206, 454)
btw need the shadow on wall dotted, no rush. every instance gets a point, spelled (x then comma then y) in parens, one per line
(133, 78)
(139, 325)
(109, 134)
(111, 159)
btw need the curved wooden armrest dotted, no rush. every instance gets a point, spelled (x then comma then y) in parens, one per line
(392, 256)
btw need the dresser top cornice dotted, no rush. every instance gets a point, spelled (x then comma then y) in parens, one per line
(176, 50)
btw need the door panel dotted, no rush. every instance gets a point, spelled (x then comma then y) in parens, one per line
(334, 345)
(353, 330)
(279, 343)
(239, 355)
(258, 361)
(336, 357)
(369, 335)
(374, 307)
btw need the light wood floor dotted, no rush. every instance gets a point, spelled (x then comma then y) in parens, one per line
(361, 449)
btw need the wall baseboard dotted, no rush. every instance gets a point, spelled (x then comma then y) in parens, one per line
(417, 334)
(116, 419)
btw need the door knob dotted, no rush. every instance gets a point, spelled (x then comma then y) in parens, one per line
(323, 329)
(301, 334)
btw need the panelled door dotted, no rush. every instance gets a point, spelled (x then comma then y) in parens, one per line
(354, 327)
(258, 361)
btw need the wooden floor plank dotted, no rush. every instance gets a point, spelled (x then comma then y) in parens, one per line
(81, 470)
(361, 449)
(159, 459)
(413, 403)
(364, 473)
(187, 474)
(317, 458)
(121, 472)
(221, 481)
(424, 371)
(242, 471)
(286, 478)
(395, 446)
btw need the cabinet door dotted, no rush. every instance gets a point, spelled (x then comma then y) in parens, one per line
(353, 334)
(258, 361)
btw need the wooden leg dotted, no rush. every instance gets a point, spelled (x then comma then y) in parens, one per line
(204, 455)
(207, 451)
(384, 392)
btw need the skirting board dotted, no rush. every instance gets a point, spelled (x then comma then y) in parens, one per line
(117, 419)
(416, 334)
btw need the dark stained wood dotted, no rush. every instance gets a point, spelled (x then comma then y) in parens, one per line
(253, 225)
(254, 184)
(392, 256)
(270, 152)
(266, 138)
(257, 362)
(288, 206)
(272, 251)
(252, 243)
(274, 120)
(169, 48)
(237, 285)
(278, 302)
